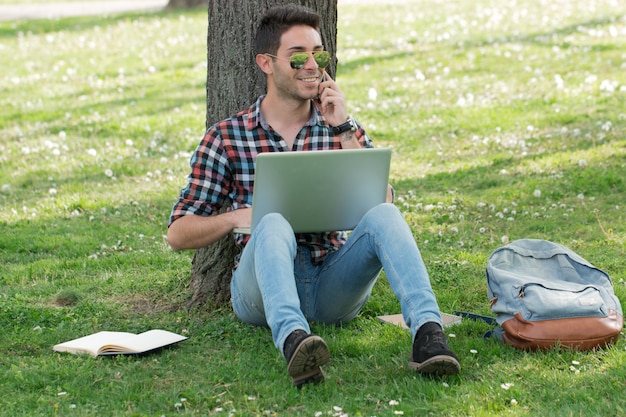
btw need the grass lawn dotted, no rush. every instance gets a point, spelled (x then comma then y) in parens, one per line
(15, 2)
(507, 120)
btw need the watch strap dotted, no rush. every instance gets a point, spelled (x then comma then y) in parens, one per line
(349, 125)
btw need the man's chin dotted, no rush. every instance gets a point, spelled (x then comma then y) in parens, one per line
(310, 95)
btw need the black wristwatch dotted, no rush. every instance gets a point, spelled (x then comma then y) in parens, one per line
(349, 125)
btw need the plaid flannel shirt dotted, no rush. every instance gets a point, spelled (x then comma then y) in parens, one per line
(222, 169)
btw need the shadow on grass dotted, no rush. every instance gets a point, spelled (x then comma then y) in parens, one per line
(159, 99)
(599, 180)
(50, 244)
(545, 38)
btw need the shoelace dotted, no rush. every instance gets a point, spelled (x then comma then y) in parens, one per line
(428, 341)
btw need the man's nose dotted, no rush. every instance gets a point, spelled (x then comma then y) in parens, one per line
(311, 63)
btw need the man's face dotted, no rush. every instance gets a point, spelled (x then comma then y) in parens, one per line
(301, 83)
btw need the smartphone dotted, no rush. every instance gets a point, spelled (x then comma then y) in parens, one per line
(323, 79)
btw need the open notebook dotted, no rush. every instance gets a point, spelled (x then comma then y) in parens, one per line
(119, 343)
(319, 191)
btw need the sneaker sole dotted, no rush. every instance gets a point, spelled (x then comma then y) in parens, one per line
(437, 365)
(309, 356)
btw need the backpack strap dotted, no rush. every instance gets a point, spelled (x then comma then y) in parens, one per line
(477, 317)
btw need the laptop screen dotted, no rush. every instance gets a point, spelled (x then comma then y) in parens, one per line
(319, 191)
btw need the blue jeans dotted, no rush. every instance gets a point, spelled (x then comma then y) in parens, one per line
(276, 284)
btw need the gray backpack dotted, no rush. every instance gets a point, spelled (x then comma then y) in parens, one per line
(545, 295)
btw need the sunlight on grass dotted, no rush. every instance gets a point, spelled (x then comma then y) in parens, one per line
(17, 2)
(506, 120)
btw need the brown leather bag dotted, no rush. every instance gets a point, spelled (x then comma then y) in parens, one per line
(582, 333)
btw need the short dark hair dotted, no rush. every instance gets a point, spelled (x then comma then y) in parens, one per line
(279, 20)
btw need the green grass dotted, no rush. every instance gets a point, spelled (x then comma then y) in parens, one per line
(506, 120)
(21, 2)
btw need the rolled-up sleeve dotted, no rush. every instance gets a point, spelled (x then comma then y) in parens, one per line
(208, 183)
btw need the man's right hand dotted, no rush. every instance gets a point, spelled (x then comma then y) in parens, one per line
(243, 218)
(195, 232)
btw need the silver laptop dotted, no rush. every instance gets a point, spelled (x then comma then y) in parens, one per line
(319, 191)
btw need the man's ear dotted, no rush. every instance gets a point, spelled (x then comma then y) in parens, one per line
(264, 62)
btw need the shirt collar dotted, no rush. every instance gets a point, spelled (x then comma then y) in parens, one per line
(255, 117)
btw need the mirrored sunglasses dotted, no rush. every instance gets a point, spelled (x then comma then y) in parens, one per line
(297, 60)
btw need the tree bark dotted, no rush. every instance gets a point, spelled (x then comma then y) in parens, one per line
(233, 83)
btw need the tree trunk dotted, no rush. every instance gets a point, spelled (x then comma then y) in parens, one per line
(233, 84)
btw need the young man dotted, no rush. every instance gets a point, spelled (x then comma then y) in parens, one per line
(284, 280)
